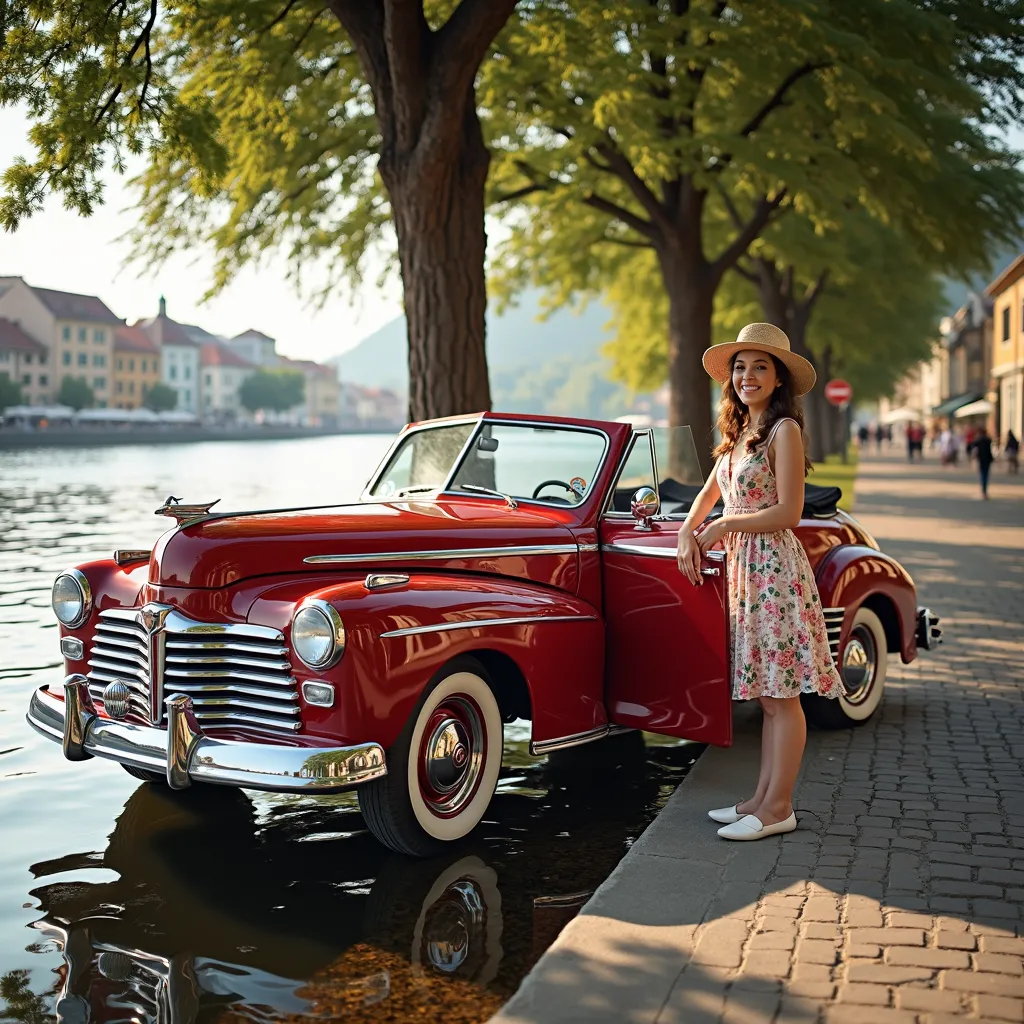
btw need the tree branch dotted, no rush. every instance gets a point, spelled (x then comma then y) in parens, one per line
(748, 233)
(778, 97)
(638, 224)
(143, 37)
(814, 290)
(519, 193)
(364, 23)
(746, 272)
(280, 17)
(407, 39)
(619, 165)
(461, 43)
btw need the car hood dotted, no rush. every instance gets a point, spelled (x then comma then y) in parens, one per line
(480, 536)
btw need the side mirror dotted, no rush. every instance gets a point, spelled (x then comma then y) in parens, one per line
(645, 506)
(487, 444)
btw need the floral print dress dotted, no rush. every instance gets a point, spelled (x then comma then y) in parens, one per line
(779, 645)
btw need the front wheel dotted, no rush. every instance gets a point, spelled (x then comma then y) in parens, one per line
(862, 668)
(442, 769)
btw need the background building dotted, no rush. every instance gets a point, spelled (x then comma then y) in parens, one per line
(256, 348)
(76, 330)
(179, 357)
(136, 367)
(24, 361)
(223, 373)
(1007, 358)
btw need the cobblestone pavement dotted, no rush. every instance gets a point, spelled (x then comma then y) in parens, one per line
(901, 896)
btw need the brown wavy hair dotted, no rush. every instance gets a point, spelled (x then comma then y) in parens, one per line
(733, 416)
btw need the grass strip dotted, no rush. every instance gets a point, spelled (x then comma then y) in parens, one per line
(834, 473)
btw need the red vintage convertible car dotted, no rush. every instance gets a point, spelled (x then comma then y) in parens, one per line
(498, 567)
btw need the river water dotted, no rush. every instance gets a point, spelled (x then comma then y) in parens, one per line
(122, 902)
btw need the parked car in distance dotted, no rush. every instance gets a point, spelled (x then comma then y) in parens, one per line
(498, 567)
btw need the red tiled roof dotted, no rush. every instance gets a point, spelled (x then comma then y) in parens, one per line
(71, 306)
(172, 333)
(253, 333)
(213, 353)
(133, 339)
(14, 339)
(1008, 277)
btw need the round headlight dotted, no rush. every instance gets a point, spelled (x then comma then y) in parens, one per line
(71, 598)
(318, 636)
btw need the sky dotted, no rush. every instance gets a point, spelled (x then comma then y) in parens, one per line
(57, 248)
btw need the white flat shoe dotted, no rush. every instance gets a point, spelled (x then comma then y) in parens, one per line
(750, 827)
(725, 815)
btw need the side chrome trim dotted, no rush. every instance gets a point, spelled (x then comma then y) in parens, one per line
(643, 549)
(589, 547)
(564, 742)
(425, 556)
(518, 620)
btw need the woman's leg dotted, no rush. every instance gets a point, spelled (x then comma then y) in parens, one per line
(751, 805)
(789, 735)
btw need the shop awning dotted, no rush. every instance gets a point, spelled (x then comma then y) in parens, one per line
(979, 408)
(950, 405)
(901, 415)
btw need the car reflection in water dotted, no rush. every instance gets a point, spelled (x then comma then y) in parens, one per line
(299, 912)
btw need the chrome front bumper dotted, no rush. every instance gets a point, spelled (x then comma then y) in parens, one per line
(185, 754)
(929, 636)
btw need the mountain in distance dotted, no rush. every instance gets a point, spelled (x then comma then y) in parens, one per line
(550, 366)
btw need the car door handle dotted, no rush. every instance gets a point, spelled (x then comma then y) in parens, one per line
(710, 572)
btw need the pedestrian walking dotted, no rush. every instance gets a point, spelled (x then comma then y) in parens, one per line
(949, 448)
(879, 436)
(981, 448)
(862, 436)
(778, 641)
(1012, 447)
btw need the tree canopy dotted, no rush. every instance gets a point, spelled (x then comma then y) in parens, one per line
(273, 390)
(74, 391)
(10, 392)
(161, 398)
(316, 128)
(690, 136)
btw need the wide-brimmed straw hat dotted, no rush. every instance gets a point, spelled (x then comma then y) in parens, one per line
(765, 338)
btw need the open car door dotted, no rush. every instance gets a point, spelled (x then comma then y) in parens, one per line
(667, 641)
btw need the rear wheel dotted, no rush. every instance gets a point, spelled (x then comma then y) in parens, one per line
(442, 769)
(863, 663)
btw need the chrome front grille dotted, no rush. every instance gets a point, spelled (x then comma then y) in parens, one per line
(834, 627)
(236, 674)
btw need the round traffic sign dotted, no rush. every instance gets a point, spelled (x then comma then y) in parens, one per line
(838, 392)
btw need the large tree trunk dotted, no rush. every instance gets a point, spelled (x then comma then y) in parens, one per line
(433, 162)
(439, 221)
(691, 300)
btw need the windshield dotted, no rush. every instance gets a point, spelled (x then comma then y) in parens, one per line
(551, 464)
(423, 460)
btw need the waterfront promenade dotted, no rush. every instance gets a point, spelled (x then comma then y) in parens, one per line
(900, 897)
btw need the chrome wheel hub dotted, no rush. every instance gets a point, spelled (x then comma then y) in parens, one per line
(451, 925)
(447, 755)
(859, 665)
(451, 756)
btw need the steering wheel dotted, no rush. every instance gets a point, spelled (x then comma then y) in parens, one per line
(561, 483)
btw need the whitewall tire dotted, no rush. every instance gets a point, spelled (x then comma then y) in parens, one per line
(442, 770)
(863, 666)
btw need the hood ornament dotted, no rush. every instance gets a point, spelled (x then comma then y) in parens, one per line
(184, 514)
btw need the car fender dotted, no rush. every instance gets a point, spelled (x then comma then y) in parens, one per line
(399, 637)
(852, 575)
(112, 586)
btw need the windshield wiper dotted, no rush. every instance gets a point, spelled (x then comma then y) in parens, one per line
(509, 500)
(415, 489)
